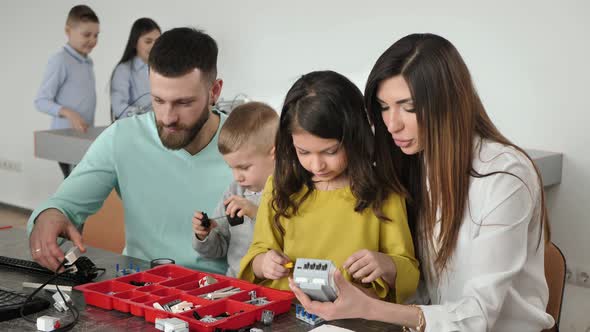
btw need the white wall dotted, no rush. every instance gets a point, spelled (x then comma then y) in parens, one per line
(528, 58)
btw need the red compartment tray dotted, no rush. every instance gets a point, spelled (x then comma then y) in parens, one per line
(171, 282)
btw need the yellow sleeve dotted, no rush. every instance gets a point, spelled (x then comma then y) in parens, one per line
(396, 241)
(266, 236)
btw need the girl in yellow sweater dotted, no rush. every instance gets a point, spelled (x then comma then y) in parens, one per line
(325, 201)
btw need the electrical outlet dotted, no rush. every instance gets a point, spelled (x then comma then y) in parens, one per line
(10, 165)
(570, 275)
(578, 275)
(583, 277)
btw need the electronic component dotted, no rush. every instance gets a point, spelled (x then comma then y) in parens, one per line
(47, 287)
(177, 306)
(72, 256)
(315, 277)
(206, 281)
(208, 319)
(126, 271)
(205, 222)
(171, 325)
(158, 306)
(161, 261)
(232, 221)
(254, 300)
(59, 304)
(235, 220)
(305, 316)
(267, 317)
(12, 301)
(48, 323)
(87, 271)
(221, 293)
(181, 307)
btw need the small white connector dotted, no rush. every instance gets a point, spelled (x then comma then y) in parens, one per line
(181, 307)
(72, 255)
(171, 325)
(47, 323)
(59, 304)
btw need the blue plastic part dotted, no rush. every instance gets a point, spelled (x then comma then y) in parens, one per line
(307, 317)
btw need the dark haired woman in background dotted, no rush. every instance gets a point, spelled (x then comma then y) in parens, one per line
(475, 199)
(129, 83)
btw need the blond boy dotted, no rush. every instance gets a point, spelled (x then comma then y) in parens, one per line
(246, 142)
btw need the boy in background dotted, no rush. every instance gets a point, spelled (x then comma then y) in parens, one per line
(246, 142)
(68, 89)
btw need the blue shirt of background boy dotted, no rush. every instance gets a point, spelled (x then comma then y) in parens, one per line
(68, 82)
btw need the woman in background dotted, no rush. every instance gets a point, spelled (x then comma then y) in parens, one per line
(130, 87)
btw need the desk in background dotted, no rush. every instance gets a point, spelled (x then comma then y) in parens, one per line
(13, 243)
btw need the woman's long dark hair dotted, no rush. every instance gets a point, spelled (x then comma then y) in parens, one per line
(139, 28)
(327, 105)
(450, 115)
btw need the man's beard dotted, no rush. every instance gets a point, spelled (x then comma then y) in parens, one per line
(185, 135)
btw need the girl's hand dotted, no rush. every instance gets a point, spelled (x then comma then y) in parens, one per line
(366, 266)
(240, 206)
(351, 301)
(200, 231)
(271, 264)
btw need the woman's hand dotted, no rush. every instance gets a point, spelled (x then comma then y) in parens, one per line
(351, 301)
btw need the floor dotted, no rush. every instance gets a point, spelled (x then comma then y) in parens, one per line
(13, 216)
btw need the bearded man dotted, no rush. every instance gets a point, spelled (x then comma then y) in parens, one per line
(164, 164)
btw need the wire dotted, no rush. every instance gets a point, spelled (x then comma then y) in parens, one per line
(73, 310)
(55, 276)
(115, 118)
(75, 313)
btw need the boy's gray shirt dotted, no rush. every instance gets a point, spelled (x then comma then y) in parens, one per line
(224, 239)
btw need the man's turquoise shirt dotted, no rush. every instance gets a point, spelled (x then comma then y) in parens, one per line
(160, 190)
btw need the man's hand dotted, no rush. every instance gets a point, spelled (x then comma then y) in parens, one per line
(50, 224)
(240, 206)
(75, 119)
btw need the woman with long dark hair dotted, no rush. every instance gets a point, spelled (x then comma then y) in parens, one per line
(130, 88)
(475, 203)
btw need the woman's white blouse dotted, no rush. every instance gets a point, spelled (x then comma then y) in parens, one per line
(495, 280)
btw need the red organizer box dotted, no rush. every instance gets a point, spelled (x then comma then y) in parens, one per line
(171, 282)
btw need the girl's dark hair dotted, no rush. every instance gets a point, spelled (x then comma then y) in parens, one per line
(327, 105)
(450, 115)
(139, 28)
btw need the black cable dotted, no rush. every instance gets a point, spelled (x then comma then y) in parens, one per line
(55, 276)
(115, 118)
(33, 294)
(73, 310)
